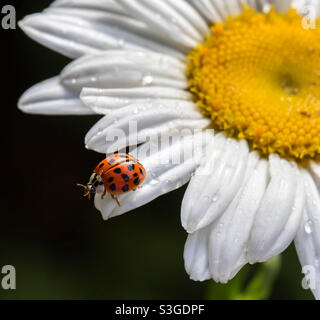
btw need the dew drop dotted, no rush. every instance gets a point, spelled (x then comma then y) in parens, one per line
(154, 182)
(215, 198)
(308, 227)
(120, 43)
(147, 80)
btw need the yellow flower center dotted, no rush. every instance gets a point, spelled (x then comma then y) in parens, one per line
(258, 77)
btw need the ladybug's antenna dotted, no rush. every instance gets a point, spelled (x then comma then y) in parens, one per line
(86, 189)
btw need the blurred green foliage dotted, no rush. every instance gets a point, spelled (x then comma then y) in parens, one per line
(249, 284)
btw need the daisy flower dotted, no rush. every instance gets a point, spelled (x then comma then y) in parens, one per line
(247, 69)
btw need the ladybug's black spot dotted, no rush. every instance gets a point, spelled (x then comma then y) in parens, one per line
(117, 170)
(125, 188)
(112, 187)
(141, 171)
(110, 179)
(125, 177)
(135, 174)
(101, 165)
(130, 167)
(111, 161)
(136, 181)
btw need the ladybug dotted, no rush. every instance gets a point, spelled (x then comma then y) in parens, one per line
(117, 174)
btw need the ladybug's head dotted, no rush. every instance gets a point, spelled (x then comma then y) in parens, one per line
(91, 188)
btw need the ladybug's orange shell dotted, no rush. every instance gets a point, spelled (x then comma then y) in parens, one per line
(124, 177)
(121, 173)
(112, 161)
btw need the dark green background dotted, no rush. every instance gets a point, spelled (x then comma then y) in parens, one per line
(58, 242)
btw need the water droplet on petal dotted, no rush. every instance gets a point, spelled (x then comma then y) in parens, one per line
(308, 227)
(120, 43)
(154, 182)
(214, 198)
(147, 80)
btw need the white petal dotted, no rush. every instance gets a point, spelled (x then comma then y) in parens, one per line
(123, 32)
(221, 7)
(195, 255)
(77, 31)
(51, 98)
(192, 15)
(215, 183)
(280, 211)
(227, 7)
(307, 240)
(234, 7)
(164, 174)
(106, 100)
(253, 4)
(139, 28)
(162, 17)
(315, 170)
(282, 6)
(124, 69)
(230, 233)
(208, 10)
(105, 5)
(309, 8)
(136, 123)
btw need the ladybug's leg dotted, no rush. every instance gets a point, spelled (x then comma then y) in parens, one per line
(116, 199)
(86, 189)
(104, 193)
